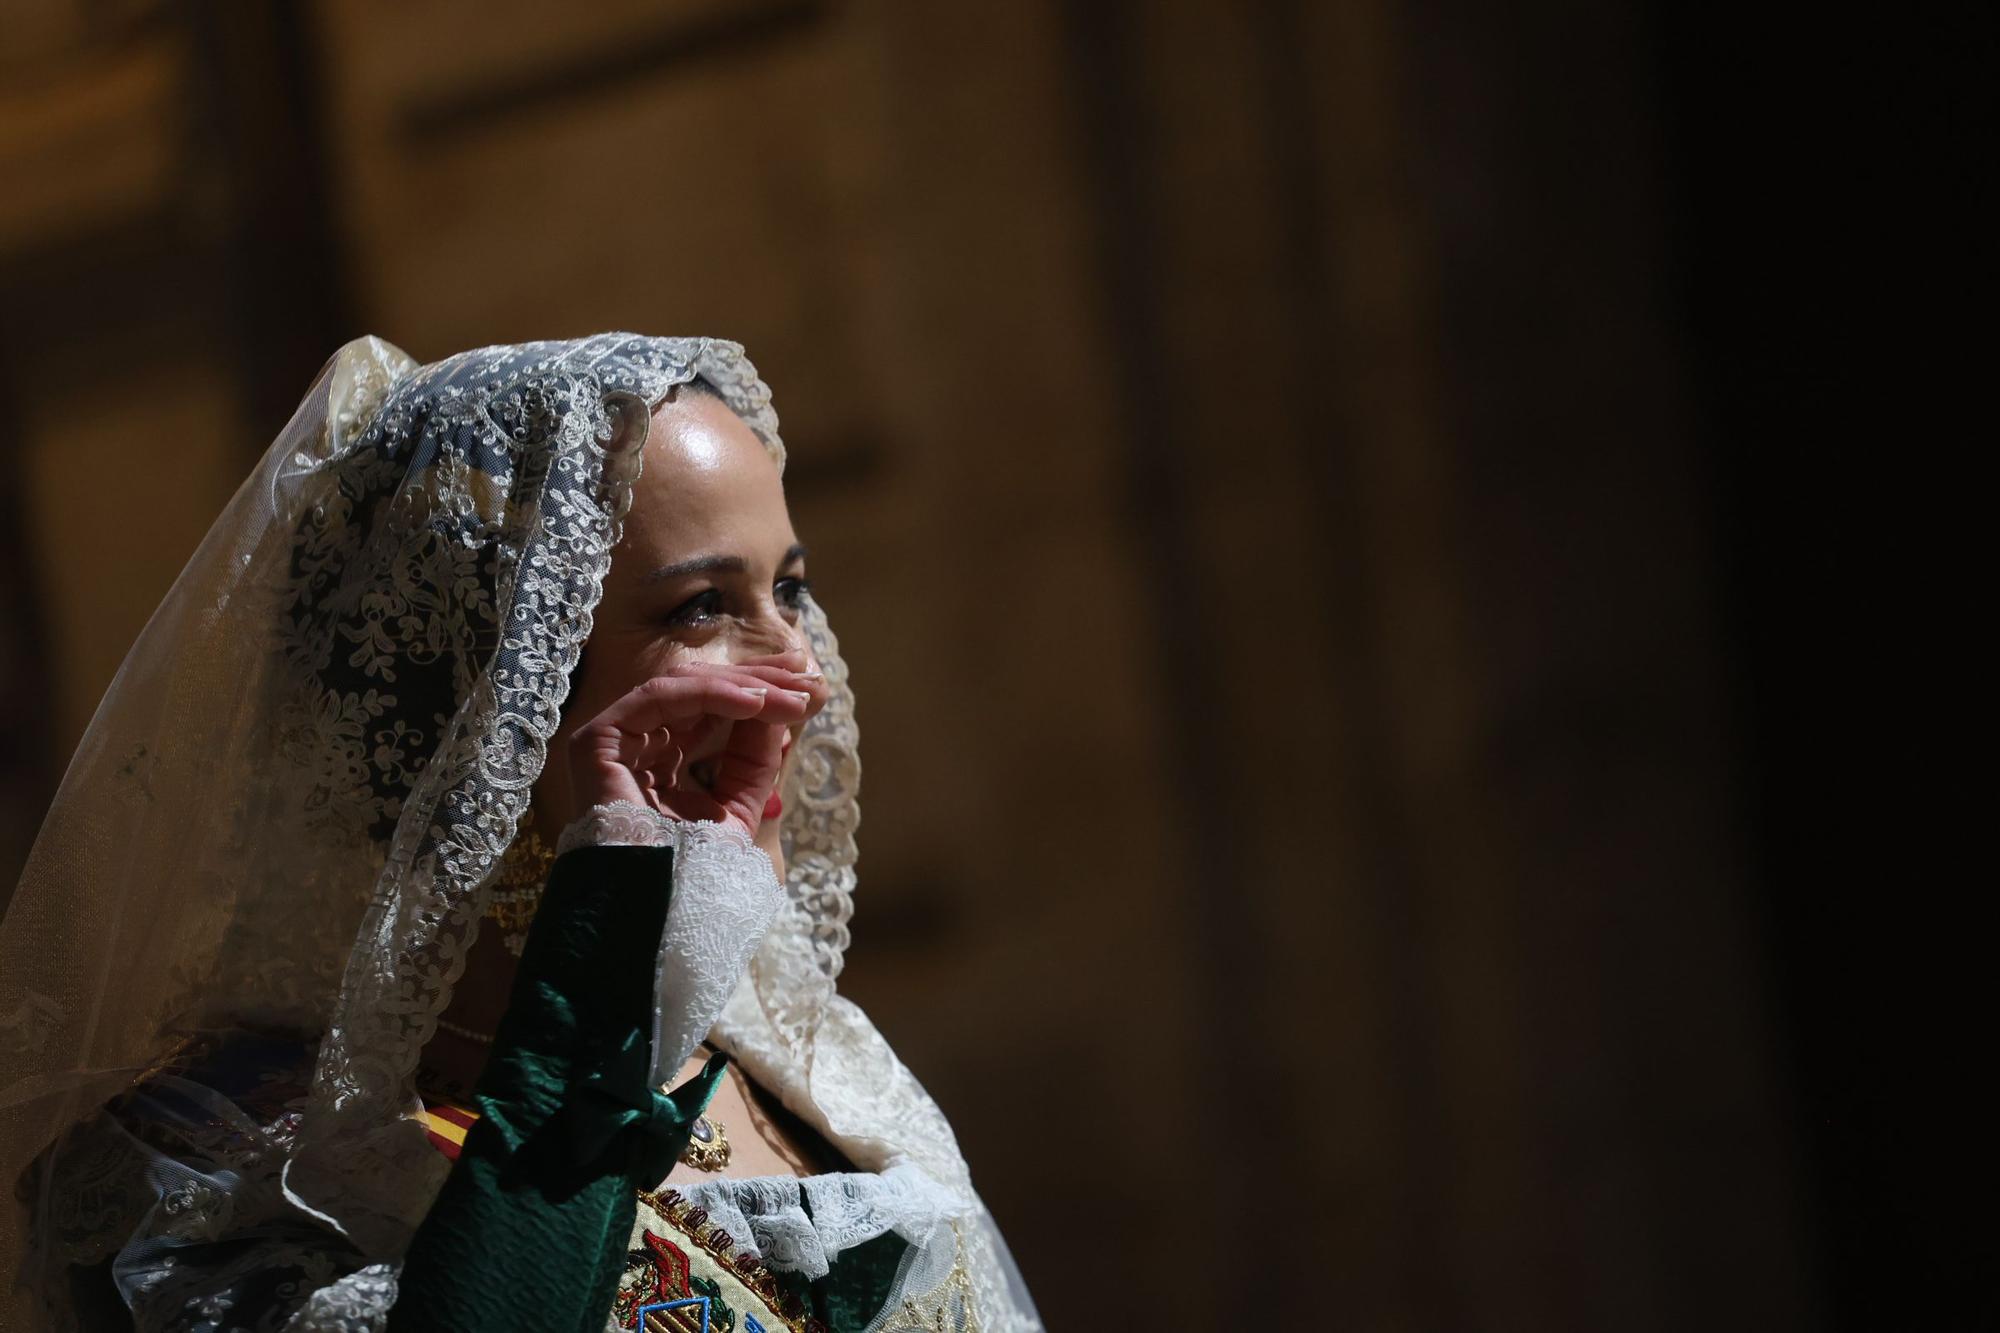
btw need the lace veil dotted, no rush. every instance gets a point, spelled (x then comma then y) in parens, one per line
(287, 809)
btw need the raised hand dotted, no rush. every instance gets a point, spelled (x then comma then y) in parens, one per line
(702, 741)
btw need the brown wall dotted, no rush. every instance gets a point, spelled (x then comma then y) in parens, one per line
(1247, 462)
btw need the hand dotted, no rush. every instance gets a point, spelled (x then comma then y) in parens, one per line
(704, 741)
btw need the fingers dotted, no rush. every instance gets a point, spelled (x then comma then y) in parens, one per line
(734, 714)
(795, 659)
(794, 695)
(750, 761)
(657, 759)
(677, 702)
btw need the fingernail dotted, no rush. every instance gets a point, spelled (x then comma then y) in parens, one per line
(800, 695)
(760, 690)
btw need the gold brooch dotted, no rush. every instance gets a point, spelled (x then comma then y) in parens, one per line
(707, 1146)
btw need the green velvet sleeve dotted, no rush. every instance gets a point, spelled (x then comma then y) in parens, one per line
(529, 1231)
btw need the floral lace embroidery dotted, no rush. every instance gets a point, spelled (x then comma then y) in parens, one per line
(847, 1209)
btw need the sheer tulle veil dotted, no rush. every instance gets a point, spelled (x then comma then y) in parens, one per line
(288, 806)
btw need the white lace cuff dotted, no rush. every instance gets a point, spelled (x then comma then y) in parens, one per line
(767, 1216)
(725, 895)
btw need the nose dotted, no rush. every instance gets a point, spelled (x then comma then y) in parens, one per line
(771, 635)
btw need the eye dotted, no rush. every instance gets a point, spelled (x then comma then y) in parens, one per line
(698, 609)
(792, 592)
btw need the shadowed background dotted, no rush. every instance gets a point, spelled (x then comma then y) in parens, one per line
(1320, 501)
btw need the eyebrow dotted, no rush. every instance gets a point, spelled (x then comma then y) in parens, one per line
(717, 564)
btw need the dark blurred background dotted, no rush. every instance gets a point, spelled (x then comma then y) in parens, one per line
(1368, 536)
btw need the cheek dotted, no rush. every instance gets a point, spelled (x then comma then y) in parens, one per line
(733, 643)
(637, 658)
(613, 665)
(717, 650)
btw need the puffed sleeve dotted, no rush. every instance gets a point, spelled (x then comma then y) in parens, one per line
(643, 929)
(725, 895)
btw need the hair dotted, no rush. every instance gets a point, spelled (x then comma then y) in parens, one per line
(703, 387)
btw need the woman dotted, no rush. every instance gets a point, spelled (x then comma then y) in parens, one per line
(392, 959)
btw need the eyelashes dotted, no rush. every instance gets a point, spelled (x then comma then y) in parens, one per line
(696, 608)
(706, 605)
(793, 591)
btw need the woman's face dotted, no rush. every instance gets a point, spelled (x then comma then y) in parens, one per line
(709, 570)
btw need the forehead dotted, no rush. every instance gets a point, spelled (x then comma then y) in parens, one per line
(708, 485)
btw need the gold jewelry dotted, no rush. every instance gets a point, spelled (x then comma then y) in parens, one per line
(517, 890)
(707, 1146)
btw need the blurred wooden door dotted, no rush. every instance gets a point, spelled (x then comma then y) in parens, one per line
(1246, 470)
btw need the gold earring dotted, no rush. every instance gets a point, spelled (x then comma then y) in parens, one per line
(517, 890)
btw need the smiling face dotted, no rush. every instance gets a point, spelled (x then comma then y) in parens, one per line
(709, 570)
